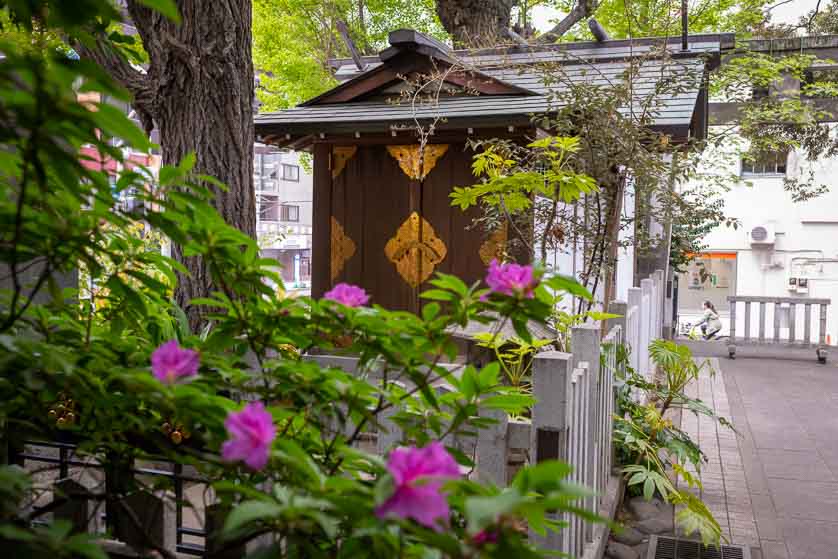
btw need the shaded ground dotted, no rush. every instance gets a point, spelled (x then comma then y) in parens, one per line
(785, 408)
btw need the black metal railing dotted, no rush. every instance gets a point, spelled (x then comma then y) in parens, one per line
(66, 459)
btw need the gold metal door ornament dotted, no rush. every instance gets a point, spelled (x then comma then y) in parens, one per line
(408, 158)
(340, 156)
(415, 250)
(495, 246)
(342, 249)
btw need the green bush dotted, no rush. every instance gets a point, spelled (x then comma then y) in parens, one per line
(77, 364)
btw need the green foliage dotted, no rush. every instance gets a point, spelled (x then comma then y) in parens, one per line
(781, 119)
(506, 183)
(293, 40)
(93, 346)
(514, 355)
(658, 457)
(653, 18)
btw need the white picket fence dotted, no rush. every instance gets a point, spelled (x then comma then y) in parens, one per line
(642, 319)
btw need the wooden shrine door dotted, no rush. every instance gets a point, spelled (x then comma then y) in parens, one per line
(384, 224)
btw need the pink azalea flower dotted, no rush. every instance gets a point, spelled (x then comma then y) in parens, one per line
(511, 279)
(252, 432)
(483, 537)
(418, 475)
(171, 363)
(347, 294)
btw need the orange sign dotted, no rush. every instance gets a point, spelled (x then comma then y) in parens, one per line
(714, 255)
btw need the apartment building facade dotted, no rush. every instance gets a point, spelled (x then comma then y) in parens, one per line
(283, 212)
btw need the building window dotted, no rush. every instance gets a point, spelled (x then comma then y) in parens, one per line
(766, 163)
(290, 172)
(269, 208)
(288, 212)
(305, 266)
(265, 172)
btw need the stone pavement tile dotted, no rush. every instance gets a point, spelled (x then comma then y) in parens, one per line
(805, 499)
(787, 438)
(773, 550)
(806, 539)
(829, 453)
(795, 464)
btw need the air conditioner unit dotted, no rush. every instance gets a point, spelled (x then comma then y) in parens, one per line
(762, 235)
(802, 286)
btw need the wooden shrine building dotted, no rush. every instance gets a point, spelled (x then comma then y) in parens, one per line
(382, 213)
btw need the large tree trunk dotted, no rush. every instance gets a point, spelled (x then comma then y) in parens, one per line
(199, 92)
(207, 107)
(475, 23)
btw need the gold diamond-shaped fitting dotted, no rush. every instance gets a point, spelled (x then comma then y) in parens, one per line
(409, 158)
(415, 250)
(342, 249)
(495, 246)
(340, 156)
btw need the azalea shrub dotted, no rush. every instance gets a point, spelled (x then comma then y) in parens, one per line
(275, 434)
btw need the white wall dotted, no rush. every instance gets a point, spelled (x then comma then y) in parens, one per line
(570, 259)
(806, 238)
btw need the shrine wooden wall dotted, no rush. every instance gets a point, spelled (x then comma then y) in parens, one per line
(379, 224)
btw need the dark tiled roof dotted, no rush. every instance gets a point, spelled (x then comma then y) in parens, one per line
(590, 63)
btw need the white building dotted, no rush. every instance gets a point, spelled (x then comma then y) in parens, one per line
(783, 248)
(284, 207)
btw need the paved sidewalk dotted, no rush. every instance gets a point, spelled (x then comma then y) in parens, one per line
(724, 487)
(784, 406)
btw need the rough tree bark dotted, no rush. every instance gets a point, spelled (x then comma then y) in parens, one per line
(581, 9)
(485, 23)
(199, 92)
(475, 23)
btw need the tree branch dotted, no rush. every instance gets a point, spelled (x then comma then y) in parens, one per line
(581, 10)
(136, 82)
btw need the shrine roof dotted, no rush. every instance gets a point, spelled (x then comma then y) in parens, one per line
(501, 87)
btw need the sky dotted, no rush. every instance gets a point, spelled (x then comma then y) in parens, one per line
(785, 13)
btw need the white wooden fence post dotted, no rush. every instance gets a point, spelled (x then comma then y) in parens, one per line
(647, 319)
(585, 343)
(551, 372)
(635, 301)
(620, 308)
(660, 302)
(492, 449)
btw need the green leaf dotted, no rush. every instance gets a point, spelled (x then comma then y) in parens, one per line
(430, 311)
(114, 123)
(649, 488)
(438, 295)
(489, 375)
(482, 511)
(510, 403)
(11, 532)
(166, 7)
(251, 511)
(568, 284)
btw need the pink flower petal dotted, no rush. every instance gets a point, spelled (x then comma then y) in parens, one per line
(171, 363)
(418, 475)
(513, 280)
(348, 295)
(251, 433)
